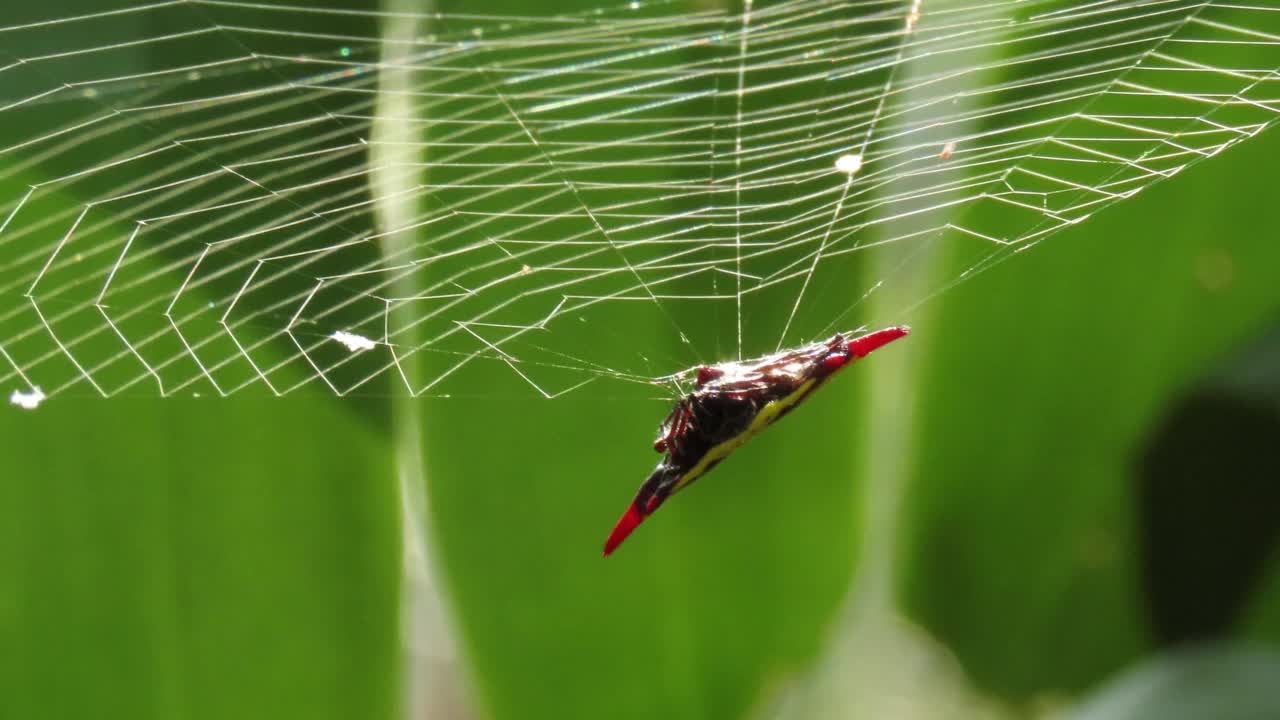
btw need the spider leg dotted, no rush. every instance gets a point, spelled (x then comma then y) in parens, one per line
(666, 428)
(674, 426)
(682, 425)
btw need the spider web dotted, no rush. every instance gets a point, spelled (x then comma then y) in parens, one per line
(209, 196)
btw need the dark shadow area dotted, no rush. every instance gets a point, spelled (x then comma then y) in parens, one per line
(1209, 496)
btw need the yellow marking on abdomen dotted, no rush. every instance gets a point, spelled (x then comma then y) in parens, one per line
(763, 419)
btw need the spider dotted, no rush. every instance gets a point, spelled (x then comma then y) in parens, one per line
(730, 404)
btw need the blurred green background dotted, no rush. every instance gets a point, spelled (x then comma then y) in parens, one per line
(1089, 483)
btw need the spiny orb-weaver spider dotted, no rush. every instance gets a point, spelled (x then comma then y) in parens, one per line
(730, 404)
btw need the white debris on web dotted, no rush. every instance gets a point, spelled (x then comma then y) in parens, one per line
(27, 400)
(353, 342)
(572, 177)
(849, 163)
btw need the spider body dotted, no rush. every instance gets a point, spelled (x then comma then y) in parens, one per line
(730, 404)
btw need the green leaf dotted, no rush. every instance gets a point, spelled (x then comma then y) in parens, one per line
(1038, 381)
(1223, 683)
(187, 558)
(1045, 376)
(726, 589)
